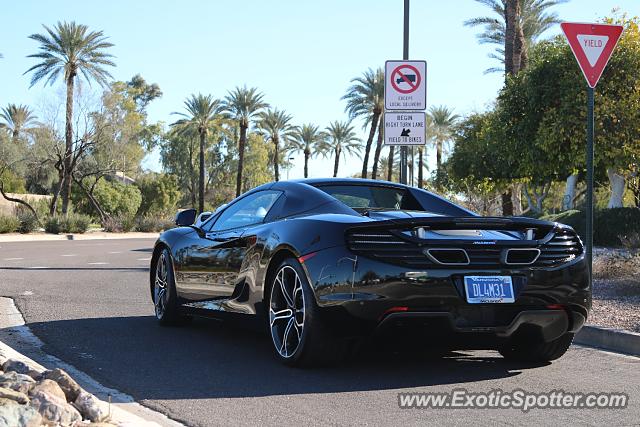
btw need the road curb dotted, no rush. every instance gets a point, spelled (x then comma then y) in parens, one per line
(95, 235)
(18, 342)
(616, 340)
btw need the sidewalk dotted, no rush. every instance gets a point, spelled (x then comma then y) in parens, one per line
(90, 235)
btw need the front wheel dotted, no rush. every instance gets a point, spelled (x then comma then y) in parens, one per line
(534, 349)
(297, 333)
(164, 291)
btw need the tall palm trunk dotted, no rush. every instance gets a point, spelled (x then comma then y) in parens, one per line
(438, 155)
(376, 156)
(390, 163)
(242, 142)
(511, 7)
(420, 166)
(307, 154)
(68, 145)
(276, 155)
(374, 123)
(336, 162)
(203, 136)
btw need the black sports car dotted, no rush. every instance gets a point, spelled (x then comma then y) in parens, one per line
(325, 262)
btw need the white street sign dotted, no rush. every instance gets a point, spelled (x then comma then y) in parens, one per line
(404, 128)
(405, 85)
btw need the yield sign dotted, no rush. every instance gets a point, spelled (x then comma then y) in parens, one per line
(592, 45)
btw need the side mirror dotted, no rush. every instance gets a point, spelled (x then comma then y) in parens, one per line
(186, 217)
(202, 218)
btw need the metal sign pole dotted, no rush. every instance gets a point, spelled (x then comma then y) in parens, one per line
(590, 137)
(405, 56)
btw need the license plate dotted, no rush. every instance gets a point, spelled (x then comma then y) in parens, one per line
(488, 289)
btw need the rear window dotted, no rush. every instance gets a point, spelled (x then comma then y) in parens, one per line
(365, 197)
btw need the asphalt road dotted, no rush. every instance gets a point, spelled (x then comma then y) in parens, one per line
(88, 301)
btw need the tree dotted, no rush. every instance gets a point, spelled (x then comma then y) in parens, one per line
(277, 127)
(203, 114)
(342, 140)
(143, 92)
(307, 139)
(70, 49)
(243, 104)
(17, 118)
(365, 99)
(534, 21)
(443, 121)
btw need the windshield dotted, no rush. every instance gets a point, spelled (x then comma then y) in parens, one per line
(371, 197)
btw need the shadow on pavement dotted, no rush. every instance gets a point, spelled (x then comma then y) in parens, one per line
(212, 359)
(77, 268)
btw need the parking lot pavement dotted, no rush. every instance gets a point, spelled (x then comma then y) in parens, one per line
(88, 301)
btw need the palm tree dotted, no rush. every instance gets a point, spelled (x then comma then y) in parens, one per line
(70, 49)
(277, 127)
(17, 118)
(342, 140)
(203, 114)
(309, 140)
(243, 104)
(365, 98)
(533, 21)
(443, 121)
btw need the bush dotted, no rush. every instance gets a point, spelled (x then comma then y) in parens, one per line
(151, 223)
(609, 225)
(160, 194)
(8, 224)
(72, 223)
(28, 222)
(119, 224)
(632, 241)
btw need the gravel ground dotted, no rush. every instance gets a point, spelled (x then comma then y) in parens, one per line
(616, 289)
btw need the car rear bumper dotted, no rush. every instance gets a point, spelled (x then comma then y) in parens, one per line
(360, 295)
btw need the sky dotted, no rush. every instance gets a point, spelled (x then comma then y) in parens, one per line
(301, 54)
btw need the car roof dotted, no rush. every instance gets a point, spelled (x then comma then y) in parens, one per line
(348, 181)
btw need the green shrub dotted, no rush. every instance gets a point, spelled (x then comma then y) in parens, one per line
(151, 223)
(9, 223)
(609, 225)
(160, 194)
(72, 223)
(119, 224)
(28, 222)
(52, 225)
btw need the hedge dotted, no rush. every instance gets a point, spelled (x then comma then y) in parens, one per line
(608, 224)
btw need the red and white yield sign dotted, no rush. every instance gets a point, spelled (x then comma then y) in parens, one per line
(405, 85)
(592, 45)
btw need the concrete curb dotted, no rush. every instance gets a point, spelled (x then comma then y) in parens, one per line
(18, 342)
(616, 340)
(92, 235)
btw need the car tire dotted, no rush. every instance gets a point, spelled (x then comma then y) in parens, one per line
(298, 335)
(165, 299)
(535, 349)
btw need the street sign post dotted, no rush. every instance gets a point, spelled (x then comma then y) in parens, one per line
(592, 45)
(404, 128)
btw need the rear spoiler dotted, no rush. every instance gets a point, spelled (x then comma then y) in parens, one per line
(540, 228)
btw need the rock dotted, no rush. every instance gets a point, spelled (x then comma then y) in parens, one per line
(89, 407)
(14, 414)
(68, 385)
(55, 410)
(7, 393)
(18, 382)
(14, 365)
(49, 386)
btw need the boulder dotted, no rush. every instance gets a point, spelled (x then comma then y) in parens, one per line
(68, 385)
(49, 386)
(18, 382)
(15, 365)
(90, 408)
(55, 410)
(7, 393)
(14, 414)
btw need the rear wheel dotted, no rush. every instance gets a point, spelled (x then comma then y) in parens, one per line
(534, 349)
(164, 291)
(297, 333)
